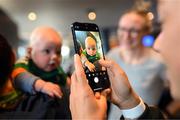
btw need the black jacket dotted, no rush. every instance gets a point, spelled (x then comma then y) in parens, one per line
(39, 106)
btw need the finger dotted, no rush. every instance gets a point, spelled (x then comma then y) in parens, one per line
(109, 65)
(94, 68)
(54, 87)
(106, 92)
(106, 63)
(53, 90)
(97, 95)
(58, 90)
(79, 69)
(57, 87)
(72, 90)
(50, 94)
(90, 69)
(113, 66)
(58, 94)
(102, 102)
(71, 102)
(73, 82)
(78, 64)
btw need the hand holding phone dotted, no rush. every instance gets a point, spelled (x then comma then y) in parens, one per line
(88, 45)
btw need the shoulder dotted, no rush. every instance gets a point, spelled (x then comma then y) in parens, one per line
(22, 62)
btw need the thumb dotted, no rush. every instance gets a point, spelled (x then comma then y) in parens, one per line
(102, 101)
(106, 63)
(105, 93)
(81, 77)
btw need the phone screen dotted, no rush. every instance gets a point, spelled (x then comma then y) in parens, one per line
(88, 45)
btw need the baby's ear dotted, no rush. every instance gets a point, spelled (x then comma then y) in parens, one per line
(28, 51)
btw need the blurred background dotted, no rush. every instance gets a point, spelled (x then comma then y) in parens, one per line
(19, 17)
(25, 15)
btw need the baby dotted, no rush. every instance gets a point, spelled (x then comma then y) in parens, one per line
(90, 55)
(40, 70)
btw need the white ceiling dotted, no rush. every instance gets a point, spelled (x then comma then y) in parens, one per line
(61, 13)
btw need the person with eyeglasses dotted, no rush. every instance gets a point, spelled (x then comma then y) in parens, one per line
(143, 66)
(122, 94)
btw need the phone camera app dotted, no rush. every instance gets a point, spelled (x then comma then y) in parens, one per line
(89, 47)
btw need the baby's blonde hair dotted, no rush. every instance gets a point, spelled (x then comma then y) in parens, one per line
(41, 32)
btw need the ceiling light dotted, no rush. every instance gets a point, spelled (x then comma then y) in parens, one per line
(92, 15)
(32, 16)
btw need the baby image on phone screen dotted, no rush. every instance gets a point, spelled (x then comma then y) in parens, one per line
(90, 55)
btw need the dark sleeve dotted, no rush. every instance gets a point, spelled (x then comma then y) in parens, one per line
(39, 106)
(23, 79)
(152, 112)
(25, 82)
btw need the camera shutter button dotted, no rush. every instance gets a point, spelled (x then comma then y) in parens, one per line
(96, 80)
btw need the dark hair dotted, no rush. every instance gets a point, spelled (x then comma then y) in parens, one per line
(7, 59)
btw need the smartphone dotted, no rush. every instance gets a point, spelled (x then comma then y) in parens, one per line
(88, 44)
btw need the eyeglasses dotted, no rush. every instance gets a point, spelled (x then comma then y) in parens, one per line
(131, 31)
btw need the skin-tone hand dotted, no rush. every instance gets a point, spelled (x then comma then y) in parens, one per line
(68, 82)
(83, 103)
(121, 92)
(90, 66)
(48, 88)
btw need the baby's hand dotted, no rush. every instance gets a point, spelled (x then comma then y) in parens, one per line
(48, 88)
(90, 66)
(52, 90)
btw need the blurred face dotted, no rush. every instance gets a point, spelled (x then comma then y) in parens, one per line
(130, 30)
(168, 42)
(90, 45)
(46, 52)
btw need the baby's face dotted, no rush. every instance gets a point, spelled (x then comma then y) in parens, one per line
(90, 46)
(46, 54)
